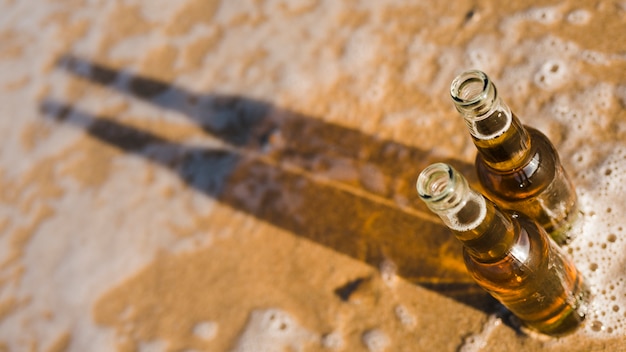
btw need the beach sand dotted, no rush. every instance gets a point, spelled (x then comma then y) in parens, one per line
(239, 175)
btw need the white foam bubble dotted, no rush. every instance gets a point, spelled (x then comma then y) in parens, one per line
(388, 271)
(578, 17)
(375, 340)
(273, 330)
(152, 346)
(594, 57)
(362, 48)
(404, 316)
(333, 341)
(583, 112)
(544, 15)
(483, 53)
(206, 330)
(552, 74)
(422, 56)
(478, 341)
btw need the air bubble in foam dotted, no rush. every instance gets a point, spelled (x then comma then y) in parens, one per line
(334, 341)
(603, 95)
(479, 58)
(584, 113)
(578, 17)
(545, 15)
(388, 271)
(404, 316)
(152, 346)
(273, 330)
(596, 326)
(594, 57)
(552, 74)
(477, 342)
(206, 330)
(483, 53)
(375, 340)
(362, 49)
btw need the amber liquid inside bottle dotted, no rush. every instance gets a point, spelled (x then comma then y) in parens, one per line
(510, 256)
(532, 279)
(527, 177)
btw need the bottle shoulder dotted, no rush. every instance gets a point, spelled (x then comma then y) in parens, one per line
(528, 255)
(529, 177)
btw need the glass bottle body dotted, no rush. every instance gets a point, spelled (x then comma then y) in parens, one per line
(511, 257)
(537, 187)
(534, 281)
(518, 166)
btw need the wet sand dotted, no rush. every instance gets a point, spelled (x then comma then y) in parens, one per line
(239, 176)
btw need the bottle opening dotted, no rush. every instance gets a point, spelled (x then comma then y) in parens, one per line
(476, 98)
(470, 87)
(435, 182)
(446, 193)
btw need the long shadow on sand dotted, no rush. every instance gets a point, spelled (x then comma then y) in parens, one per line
(349, 191)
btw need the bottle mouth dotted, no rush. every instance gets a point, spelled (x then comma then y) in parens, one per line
(447, 193)
(435, 182)
(470, 87)
(473, 94)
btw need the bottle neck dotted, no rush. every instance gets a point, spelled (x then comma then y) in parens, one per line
(497, 133)
(486, 232)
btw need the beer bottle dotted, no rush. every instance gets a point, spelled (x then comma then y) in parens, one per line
(508, 255)
(517, 165)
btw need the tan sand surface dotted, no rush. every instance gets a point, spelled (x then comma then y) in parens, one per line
(205, 175)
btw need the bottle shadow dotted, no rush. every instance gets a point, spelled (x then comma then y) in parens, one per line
(349, 191)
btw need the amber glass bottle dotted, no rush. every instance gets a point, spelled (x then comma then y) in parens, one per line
(517, 165)
(510, 256)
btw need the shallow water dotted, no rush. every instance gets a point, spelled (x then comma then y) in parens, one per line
(220, 175)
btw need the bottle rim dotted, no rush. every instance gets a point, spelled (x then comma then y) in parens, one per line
(470, 88)
(446, 193)
(435, 182)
